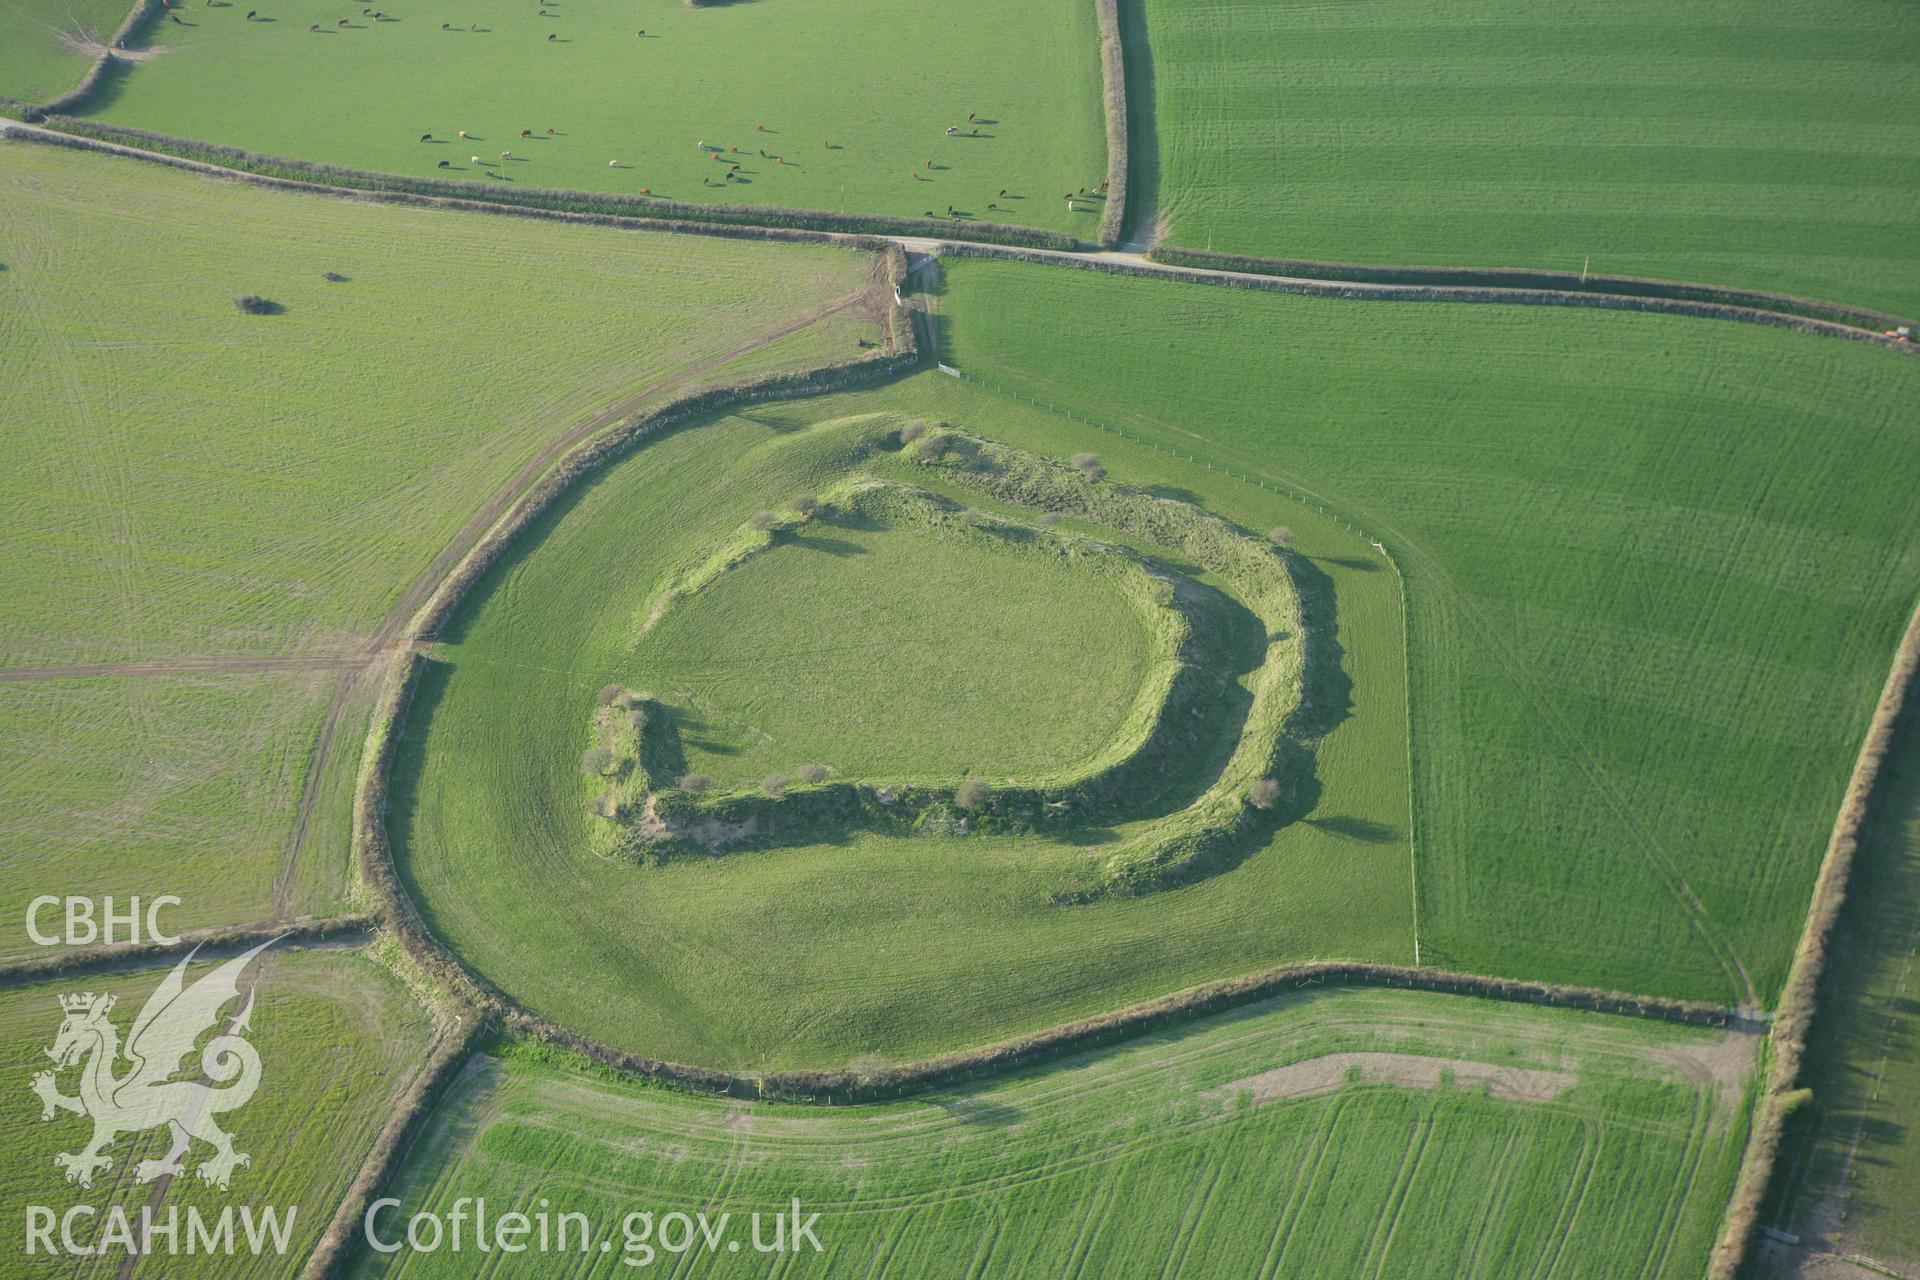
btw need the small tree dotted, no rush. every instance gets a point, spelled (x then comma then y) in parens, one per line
(1280, 536)
(608, 692)
(815, 773)
(1264, 794)
(255, 305)
(805, 505)
(763, 520)
(932, 448)
(1089, 465)
(1048, 519)
(912, 431)
(695, 782)
(596, 761)
(637, 718)
(774, 784)
(972, 794)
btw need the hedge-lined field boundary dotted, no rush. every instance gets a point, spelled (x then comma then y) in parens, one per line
(209, 943)
(129, 27)
(448, 1055)
(1113, 75)
(1151, 267)
(1757, 308)
(312, 173)
(1524, 278)
(1795, 1014)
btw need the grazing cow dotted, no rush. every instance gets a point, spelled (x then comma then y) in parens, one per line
(992, 207)
(341, 23)
(444, 164)
(952, 129)
(549, 133)
(446, 26)
(250, 14)
(314, 27)
(463, 133)
(526, 133)
(646, 191)
(473, 159)
(641, 32)
(969, 117)
(176, 18)
(551, 37)
(613, 164)
(506, 155)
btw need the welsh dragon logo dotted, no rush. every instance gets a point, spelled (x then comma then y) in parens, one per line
(146, 1095)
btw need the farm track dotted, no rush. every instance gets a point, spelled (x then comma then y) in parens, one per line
(184, 666)
(1756, 308)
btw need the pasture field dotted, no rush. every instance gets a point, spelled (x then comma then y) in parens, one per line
(151, 785)
(339, 1038)
(889, 653)
(855, 96)
(1849, 1173)
(1656, 570)
(1276, 1140)
(211, 482)
(189, 486)
(1755, 143)
(813, 955)
(46, 46)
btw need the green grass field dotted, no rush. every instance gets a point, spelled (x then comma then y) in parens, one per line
(1656, 571)
(1247, 1145)
(186, 483)
(1758, 143)
(1849, 1174)
(904, 947)
(339, 1037)
(890, 653)
(146, 786)
(880, 81)
(207, 481)
(46, 46)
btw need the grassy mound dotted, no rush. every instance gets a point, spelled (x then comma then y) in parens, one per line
(892, 638)
(743, 626)
(805, 954)
(1656, 568)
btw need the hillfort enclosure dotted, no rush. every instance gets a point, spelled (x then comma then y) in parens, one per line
(1091, 637)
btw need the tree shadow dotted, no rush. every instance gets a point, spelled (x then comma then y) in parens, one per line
(1351, 562)
(976, 1110)
(831, 546)
(1362, 829)
(1143, 130)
